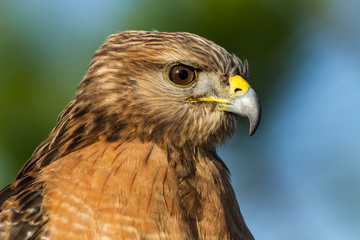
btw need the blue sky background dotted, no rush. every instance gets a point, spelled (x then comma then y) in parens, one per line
(296, 178)
(312, 141)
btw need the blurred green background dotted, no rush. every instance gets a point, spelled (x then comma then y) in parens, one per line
(297, 177)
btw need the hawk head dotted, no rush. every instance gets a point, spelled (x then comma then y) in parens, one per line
(176, 89)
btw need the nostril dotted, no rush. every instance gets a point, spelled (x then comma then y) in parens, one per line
(237, 90)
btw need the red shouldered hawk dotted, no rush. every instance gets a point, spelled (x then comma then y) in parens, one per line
(133, 155)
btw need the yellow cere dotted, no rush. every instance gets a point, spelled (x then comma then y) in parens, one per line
(238, 85)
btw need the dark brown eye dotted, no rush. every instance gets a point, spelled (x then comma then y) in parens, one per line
(182, 75)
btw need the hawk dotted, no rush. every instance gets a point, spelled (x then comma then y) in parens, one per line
(133, 155)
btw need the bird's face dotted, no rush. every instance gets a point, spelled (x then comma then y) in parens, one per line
(160, 85)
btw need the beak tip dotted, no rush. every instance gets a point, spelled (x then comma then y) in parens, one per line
(253, 127)
(256, 123)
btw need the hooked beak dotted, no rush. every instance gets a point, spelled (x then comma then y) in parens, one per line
(243, 101)
(247, 105)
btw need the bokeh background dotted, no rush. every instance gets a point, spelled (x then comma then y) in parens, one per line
(298, 177)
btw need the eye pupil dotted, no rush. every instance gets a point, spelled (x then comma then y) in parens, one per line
(182, 75)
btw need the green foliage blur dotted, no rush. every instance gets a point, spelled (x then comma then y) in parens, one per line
(45, 49)
(40, 66)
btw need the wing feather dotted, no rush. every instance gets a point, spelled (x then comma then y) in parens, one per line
(21, 214)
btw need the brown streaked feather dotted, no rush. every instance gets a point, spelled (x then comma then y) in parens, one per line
(111, 186)
(145, 195)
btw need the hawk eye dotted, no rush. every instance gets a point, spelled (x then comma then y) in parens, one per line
(182, 75)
